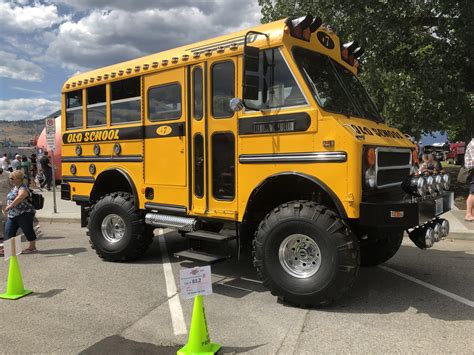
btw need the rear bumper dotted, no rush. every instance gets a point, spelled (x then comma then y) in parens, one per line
(404, 214)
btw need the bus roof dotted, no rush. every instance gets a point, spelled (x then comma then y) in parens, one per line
(230, 43)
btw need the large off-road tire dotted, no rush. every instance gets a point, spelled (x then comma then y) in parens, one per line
(305, 254)
(376, 250)
(117, 230)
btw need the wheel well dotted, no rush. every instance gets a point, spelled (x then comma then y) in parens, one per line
(284, 187)
(111, 181)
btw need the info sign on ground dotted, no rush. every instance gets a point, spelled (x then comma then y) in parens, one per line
(196, 281)
(51, 133)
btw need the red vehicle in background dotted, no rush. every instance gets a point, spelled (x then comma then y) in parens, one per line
(456, 153)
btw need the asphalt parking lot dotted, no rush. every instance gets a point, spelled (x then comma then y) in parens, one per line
(419, 301)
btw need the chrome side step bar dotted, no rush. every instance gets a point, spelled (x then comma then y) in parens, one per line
(186, 224)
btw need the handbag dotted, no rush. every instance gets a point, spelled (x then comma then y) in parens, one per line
(463, 175)
(36, 199)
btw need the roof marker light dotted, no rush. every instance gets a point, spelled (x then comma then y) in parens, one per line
(129, 70)
(302, 27)
(146, 66)
(174, 60)
(154, 64)
(164, 62)
(185, 57)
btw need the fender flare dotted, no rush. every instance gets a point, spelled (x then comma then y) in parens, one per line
(337, 202)
(125, 175)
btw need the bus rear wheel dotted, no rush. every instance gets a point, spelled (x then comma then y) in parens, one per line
(305, 254)
(117, 230)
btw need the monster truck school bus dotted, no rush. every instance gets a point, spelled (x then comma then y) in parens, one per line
(266, 132)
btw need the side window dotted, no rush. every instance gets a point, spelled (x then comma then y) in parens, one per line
(278, 87)
(223, 166)
(222, 89)
(197, 92)
(96, 106)
(198, 166)
(74, 109)
(125, 101)
(164, 102)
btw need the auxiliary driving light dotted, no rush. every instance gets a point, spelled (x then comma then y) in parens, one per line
(415, 185)
(430, 184)
(438, 183)
(422, 237)
(444, 228)
(446, 181)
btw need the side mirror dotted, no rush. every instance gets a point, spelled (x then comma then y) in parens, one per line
(236, 104)
(251, 74)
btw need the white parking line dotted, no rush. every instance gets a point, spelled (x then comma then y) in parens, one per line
(431, 287)
(176, 311)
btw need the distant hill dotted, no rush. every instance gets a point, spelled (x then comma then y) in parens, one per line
(19, 133)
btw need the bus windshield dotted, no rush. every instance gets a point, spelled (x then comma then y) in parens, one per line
(335, 88)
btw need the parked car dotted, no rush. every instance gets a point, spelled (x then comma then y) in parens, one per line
(456, 153)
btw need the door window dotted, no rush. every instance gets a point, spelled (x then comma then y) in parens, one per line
(222, 89)
(197, 90)
(223, 166)
(164, 102)
(198, 165)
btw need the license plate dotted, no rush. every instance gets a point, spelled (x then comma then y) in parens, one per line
(438, 206)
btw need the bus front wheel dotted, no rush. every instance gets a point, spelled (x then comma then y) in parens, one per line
(305, 254)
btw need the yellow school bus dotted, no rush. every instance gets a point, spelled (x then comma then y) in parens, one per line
(263, 139)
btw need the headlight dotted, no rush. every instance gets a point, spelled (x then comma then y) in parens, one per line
(429, 184)
(446, 181)
(370, 178)
(438, 183)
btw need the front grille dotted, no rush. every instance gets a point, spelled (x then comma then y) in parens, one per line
(393, 158)
(392, 176)
(393, 165)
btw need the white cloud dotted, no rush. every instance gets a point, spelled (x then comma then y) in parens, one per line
(16, 68)
(27, 109)
(105, 37)
(28, 18)
(137, 5)
(33, 91)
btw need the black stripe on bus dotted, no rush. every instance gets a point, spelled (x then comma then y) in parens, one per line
(164, 130)
(85, 179)
(161, 207)
(95, 159)
(292, 122)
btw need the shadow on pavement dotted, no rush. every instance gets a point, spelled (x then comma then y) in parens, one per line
(48, 294)
(115, 344)
(61, 252)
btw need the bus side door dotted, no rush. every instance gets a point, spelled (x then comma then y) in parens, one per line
(165, 138)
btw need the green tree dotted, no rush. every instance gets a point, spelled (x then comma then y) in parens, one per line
(417, 64)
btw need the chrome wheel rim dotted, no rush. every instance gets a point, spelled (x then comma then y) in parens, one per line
(113, 228)
(300, 256)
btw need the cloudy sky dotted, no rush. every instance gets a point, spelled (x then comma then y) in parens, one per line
(42, 43)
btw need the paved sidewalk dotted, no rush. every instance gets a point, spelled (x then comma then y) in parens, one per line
(67, 211)
(459, 228)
